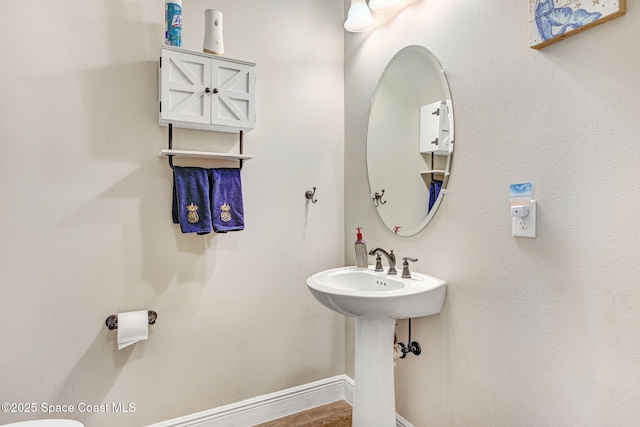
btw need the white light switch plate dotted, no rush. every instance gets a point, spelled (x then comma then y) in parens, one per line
(525, 227)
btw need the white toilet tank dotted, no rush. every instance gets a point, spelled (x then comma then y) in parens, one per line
(46, 423)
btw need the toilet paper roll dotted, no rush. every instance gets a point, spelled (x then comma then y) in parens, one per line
(133, 326)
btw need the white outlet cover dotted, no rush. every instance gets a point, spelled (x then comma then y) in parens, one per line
(525, 227)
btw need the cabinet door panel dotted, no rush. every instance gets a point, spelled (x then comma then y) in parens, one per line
(234, 103)
(184, 80)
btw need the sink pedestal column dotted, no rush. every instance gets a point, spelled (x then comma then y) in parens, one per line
(374, 396)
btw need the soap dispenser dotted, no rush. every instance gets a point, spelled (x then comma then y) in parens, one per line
(361, 251)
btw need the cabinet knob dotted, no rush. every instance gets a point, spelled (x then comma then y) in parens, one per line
(208, 90)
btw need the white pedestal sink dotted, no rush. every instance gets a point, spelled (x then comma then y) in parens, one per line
(376, 299)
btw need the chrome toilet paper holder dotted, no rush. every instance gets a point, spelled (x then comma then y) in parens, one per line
(112, 321)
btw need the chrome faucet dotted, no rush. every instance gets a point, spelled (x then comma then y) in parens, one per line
(390, 257)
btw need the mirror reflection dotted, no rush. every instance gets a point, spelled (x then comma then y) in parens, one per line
(410, 140)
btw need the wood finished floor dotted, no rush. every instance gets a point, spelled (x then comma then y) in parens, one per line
(336, 414)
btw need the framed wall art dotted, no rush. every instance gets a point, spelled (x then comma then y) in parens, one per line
(553, 20)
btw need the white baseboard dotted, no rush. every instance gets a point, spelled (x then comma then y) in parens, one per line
(273, 406)
(401, 422)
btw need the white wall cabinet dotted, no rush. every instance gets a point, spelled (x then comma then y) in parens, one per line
(435, 128)
(207, 92)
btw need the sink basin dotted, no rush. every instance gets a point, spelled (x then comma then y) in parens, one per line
(356, 293)
(376, 299)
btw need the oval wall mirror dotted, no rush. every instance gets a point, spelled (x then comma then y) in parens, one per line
(410, 140)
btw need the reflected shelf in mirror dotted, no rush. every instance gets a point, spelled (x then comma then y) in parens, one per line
(436, 171)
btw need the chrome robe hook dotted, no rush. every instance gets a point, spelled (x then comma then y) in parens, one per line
(309, 195)
(377, 199)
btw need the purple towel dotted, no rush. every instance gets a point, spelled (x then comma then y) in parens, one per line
(434, 192)
(191, 207)
(227, 211)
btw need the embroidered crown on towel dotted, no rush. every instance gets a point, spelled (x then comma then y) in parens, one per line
(192, 216)
(225, 215)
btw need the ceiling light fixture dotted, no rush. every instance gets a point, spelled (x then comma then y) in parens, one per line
(384, 5)
(359, 17)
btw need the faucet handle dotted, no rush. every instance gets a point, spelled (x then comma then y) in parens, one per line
(406, 274)
(379, 262)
